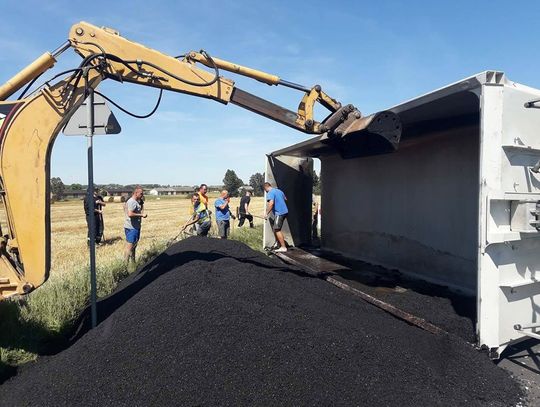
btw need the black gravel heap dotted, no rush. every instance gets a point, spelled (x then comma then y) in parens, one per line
(437, 304)
(212, 322)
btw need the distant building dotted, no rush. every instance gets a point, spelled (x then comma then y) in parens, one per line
(242, 190)
(171, 191)
(74, 194)
(125, 192)
(215, 188)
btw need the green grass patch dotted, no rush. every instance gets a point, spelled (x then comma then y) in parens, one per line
(40, 322)
(253, 237)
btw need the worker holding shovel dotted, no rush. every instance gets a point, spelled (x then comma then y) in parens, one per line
(201, 217)
(243, 211)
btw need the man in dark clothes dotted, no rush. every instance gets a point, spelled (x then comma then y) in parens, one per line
(97, 204)
(243, 211)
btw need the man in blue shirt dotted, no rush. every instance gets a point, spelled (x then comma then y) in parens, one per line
(276, 204)
(223, 214)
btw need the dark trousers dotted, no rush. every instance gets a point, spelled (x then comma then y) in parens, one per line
(99, 228)
(243, 217)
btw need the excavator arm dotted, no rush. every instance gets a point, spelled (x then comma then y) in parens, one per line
(29, 126)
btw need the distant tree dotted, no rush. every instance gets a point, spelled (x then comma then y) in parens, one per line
(231, 182)
(256, 181)
(57, 187)
(316, 182)
(75, 187)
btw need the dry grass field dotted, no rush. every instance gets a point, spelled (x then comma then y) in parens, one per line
(29, 325)
(165, 217)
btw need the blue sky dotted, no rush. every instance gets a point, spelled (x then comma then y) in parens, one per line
(371, 54)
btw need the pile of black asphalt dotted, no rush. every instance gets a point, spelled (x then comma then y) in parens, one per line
(453, 312)
(212, 322)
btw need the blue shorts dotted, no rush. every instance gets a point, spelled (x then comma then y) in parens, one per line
(132, 235)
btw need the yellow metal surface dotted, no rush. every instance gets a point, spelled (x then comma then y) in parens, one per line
(36, 68)
(88, 39)
(329, 102)
(307, 104)
(25, 173)
(232, 67)
(305, 108)
(10, 283)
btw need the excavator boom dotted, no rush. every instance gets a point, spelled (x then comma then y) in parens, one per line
(29, 126)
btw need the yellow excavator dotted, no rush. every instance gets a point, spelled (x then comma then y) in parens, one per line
(30, 123)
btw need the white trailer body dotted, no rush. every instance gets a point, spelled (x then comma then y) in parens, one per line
(456, 204)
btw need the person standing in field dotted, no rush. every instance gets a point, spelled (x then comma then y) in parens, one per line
(101, 229)
(243, 211)
(132, 223)
(277, 206)
(95, 206)
(200, 218)
(223, 214)
(141, 201)
(195, 199)
(203, 198)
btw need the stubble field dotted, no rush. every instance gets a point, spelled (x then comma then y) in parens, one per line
(166, 215)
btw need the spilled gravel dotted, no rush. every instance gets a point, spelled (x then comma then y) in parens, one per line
(212, 322)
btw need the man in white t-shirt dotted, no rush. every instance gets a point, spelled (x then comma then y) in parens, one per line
(132, 223)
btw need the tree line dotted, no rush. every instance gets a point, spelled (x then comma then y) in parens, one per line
(231, 182)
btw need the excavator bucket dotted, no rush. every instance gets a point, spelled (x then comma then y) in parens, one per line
(378, 133)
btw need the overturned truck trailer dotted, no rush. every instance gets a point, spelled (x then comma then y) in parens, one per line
(456, 203)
